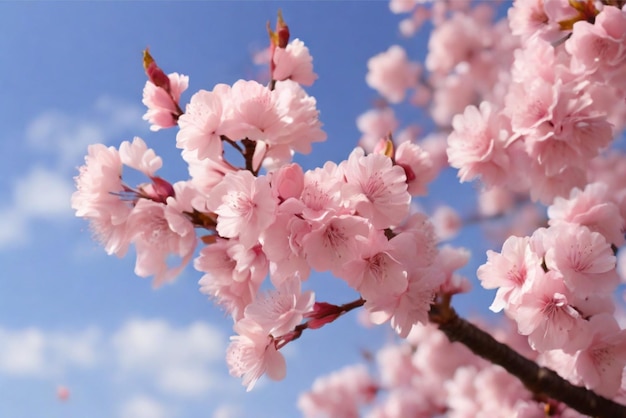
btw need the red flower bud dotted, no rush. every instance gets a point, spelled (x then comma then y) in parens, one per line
(154, 73)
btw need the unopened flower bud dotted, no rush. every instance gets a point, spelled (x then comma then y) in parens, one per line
(154, 73)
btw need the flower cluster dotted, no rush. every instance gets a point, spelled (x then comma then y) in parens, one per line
(267, 217)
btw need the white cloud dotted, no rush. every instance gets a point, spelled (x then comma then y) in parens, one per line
(40, 194)
(43, 193)
(142, 406)
(34, 353)
(12, 228)
(179, 361)
(227, 411)
(68, 136)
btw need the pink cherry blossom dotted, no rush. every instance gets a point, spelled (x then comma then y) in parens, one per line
(253, 113)
(591, 207)
(159, 230)
(391, 73)
(97, 198)
(295, 63)
(379, 187)
(583, 257)
(447, 222)
(340, 394)
(508, 271)
(600, 365)
(528, 18)
(477, 145)
(233, 274)
(451, 259)
(299, 118)
(162, 105)
(546, 315)
(323, 192)
(280, 310)
(417, 165)
(600, 44)
(283, 243)
(374, 125)
(200, 126)
(137, 155)
(410, 307)
(376, 273)
(252, 353)
(244, 205)
(333, 241)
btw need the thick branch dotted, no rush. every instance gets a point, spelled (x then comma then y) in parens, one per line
(539, 380)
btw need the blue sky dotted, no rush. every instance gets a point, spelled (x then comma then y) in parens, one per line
(71, 75)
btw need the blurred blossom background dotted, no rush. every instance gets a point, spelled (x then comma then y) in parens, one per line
(80, 334)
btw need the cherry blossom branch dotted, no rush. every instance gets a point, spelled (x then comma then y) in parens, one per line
(539, 380)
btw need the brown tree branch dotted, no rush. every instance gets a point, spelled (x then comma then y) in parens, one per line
(539, 380)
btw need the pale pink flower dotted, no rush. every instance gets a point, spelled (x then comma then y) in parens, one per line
(449, 260)
(545, 188)
(253, 353)
(447, 222)
(244, 205)
(206, 173)
(600, 365)
(583, 257)
(374, 125)
(332, 241)
(477, 144)
(395, 365)
(379, 187)
(376, 273)
(420, 244)
(233, 274)
(391, 73)
(279, 311)
(253, 113)
(459, 39)
(282, 243)
(162, 105)
(200, 126)
(295, 63)
(323, 191)
(417, 165)
(495, 201)
(528, 18)
(546, 315)
(158, 231)
(508, 271)
(411, 307)
(592, 207)
(451, 96)
(137, 155)
(300, 125)
(98, 198)
(339, 394)
(598, 45)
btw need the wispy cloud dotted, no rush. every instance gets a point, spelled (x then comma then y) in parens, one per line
(180, 362)
(33, 353)
(66, 136)
(142, 406)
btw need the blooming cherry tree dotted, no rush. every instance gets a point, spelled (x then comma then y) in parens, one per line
(529, 106)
